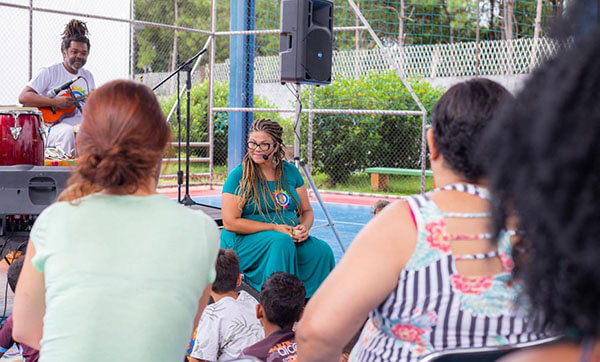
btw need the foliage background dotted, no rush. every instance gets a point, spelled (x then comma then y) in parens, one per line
(346, 144)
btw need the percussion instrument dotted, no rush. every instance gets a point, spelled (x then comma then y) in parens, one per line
(21, 136)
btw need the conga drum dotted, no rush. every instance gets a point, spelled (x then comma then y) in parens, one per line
(21, 136)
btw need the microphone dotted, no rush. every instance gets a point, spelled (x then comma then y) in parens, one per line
(54, 92)
(266, 157)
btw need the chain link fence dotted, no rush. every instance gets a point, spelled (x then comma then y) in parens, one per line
(426, 41)
(147, 39)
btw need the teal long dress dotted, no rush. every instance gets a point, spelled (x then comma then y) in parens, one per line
(266, 252)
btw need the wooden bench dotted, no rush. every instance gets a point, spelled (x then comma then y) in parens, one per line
(380, 175)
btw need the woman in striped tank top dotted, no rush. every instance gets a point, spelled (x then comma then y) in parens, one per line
(425, 270)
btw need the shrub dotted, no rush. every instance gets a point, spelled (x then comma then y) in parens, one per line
(345, 144)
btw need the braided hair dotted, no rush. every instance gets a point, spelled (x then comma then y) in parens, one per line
(252, 176)
(77, 31)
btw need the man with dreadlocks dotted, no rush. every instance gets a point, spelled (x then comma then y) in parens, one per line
(267, 215)
(75, 47)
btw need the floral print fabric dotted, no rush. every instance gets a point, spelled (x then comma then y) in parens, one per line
(434, 306)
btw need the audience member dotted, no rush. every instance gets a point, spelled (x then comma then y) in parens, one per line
(267, 214)
(379, 205)
(544, 157)
(230, 324)
(426, 268)
(95, 269)
(281, 305)
(6, 340)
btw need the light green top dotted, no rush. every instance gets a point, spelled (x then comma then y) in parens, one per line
(123, 277)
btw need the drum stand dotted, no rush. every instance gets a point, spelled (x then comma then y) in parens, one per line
(301, 164)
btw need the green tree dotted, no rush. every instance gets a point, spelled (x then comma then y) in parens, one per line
(154, 46)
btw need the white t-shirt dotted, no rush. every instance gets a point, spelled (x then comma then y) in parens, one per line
(226, 328)
(56, 75)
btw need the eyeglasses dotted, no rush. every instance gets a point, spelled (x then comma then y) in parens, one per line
(265, 146)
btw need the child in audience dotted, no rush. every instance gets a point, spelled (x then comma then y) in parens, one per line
(228, 325)
(6, 341)
(379, 205)
(281, 305)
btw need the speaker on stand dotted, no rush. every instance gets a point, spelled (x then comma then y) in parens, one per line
(305, 52)
(306, 41)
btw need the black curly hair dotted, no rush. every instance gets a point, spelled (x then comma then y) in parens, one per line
(282, 297)
(459, 119)
(544, 156)
(228, 271)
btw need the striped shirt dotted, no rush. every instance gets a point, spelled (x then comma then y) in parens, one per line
(434, 307)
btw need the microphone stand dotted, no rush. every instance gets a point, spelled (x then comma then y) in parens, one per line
(187, 66)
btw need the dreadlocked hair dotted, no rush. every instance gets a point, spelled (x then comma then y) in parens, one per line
(254, 181)
(75, 30)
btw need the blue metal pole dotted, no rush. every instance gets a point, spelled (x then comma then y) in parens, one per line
(241, 80)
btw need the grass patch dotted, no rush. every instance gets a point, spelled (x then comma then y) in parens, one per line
(398, 185)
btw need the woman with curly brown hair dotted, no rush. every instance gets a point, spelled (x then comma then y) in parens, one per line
(98, 267)
(267, 214)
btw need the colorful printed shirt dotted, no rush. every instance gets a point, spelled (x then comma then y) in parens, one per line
(434, 307)
(279, 346)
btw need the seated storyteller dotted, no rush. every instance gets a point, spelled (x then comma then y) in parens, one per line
(230, 324)
(267, 215)
(6, 341)
(281, 305)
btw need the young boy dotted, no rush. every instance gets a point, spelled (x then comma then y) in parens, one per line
(379, 205)
(29, 354)
(228, 325)
(281, 305)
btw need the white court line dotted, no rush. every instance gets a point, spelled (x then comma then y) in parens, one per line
(342, 222)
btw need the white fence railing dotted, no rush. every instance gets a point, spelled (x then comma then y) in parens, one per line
(495, 57)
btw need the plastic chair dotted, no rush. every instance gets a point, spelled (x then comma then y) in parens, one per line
(482, 354)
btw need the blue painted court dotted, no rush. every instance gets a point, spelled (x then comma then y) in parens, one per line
(349, 219)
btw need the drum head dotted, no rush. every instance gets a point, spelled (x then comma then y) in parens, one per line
(17, 109)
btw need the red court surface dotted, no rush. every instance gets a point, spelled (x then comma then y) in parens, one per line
(338, 198)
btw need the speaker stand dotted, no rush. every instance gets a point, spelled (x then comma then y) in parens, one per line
(300, 164)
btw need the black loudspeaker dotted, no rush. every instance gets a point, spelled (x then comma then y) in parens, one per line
(25, 191)
(306, 41)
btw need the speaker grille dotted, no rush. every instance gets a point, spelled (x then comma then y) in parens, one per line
(318, 55)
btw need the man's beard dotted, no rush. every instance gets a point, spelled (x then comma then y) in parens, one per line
(71, 63)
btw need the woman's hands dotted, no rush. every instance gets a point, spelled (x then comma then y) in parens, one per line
(298, 233)
(282, 228)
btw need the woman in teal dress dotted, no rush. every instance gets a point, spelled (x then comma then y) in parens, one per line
(267, 215)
